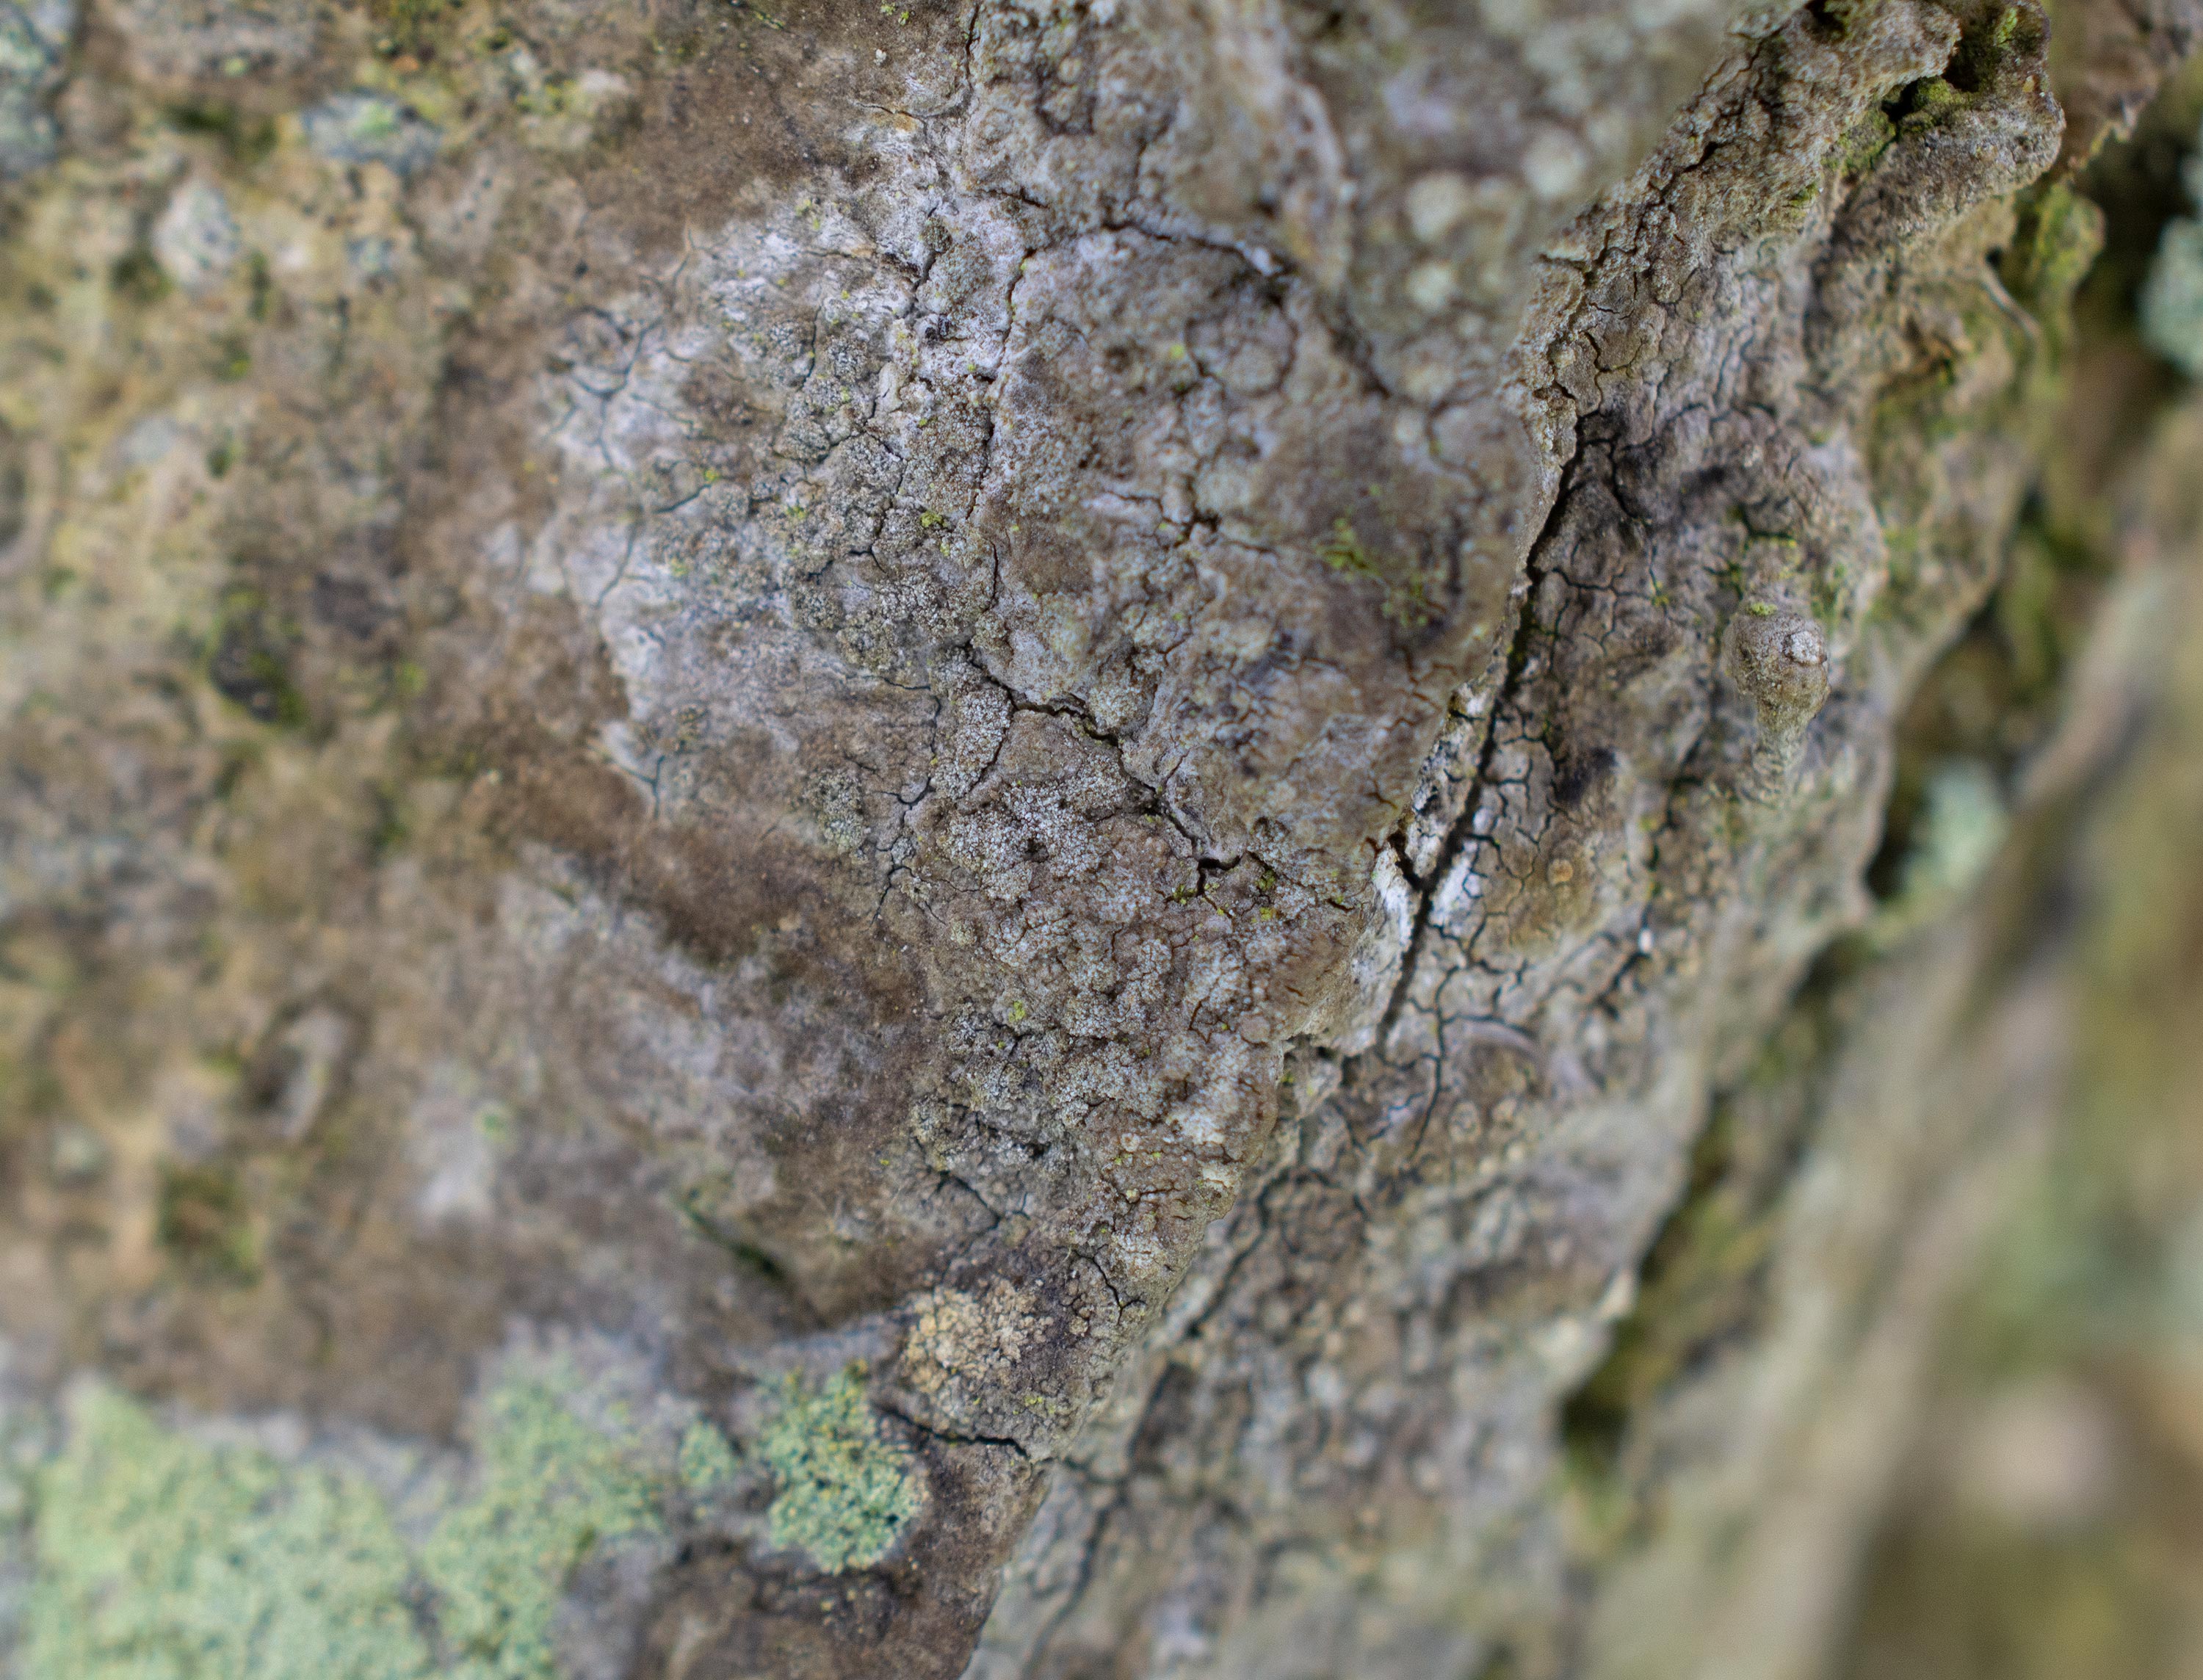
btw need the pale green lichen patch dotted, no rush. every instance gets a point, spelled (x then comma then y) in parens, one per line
(160, 1557)
(2172, 302)
(552, 1487)
(1961, 830)
(705, 1463)
(361, 127)
(33, 41)
(2172, 306)
(845, 1494)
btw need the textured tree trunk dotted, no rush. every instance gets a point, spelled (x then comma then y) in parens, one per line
(922, 840)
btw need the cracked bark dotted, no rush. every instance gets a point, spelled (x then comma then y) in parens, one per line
(1041, 694)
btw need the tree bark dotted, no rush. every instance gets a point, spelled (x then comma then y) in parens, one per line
(1020, 785)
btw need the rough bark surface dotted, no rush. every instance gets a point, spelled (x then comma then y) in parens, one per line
(1033, 758)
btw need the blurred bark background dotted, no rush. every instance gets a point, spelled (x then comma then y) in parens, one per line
(1009, 838)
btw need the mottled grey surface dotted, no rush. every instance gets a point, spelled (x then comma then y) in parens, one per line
(750, 682)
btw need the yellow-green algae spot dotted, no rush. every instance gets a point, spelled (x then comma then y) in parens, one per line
(160, 1557)
(846, 1494)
